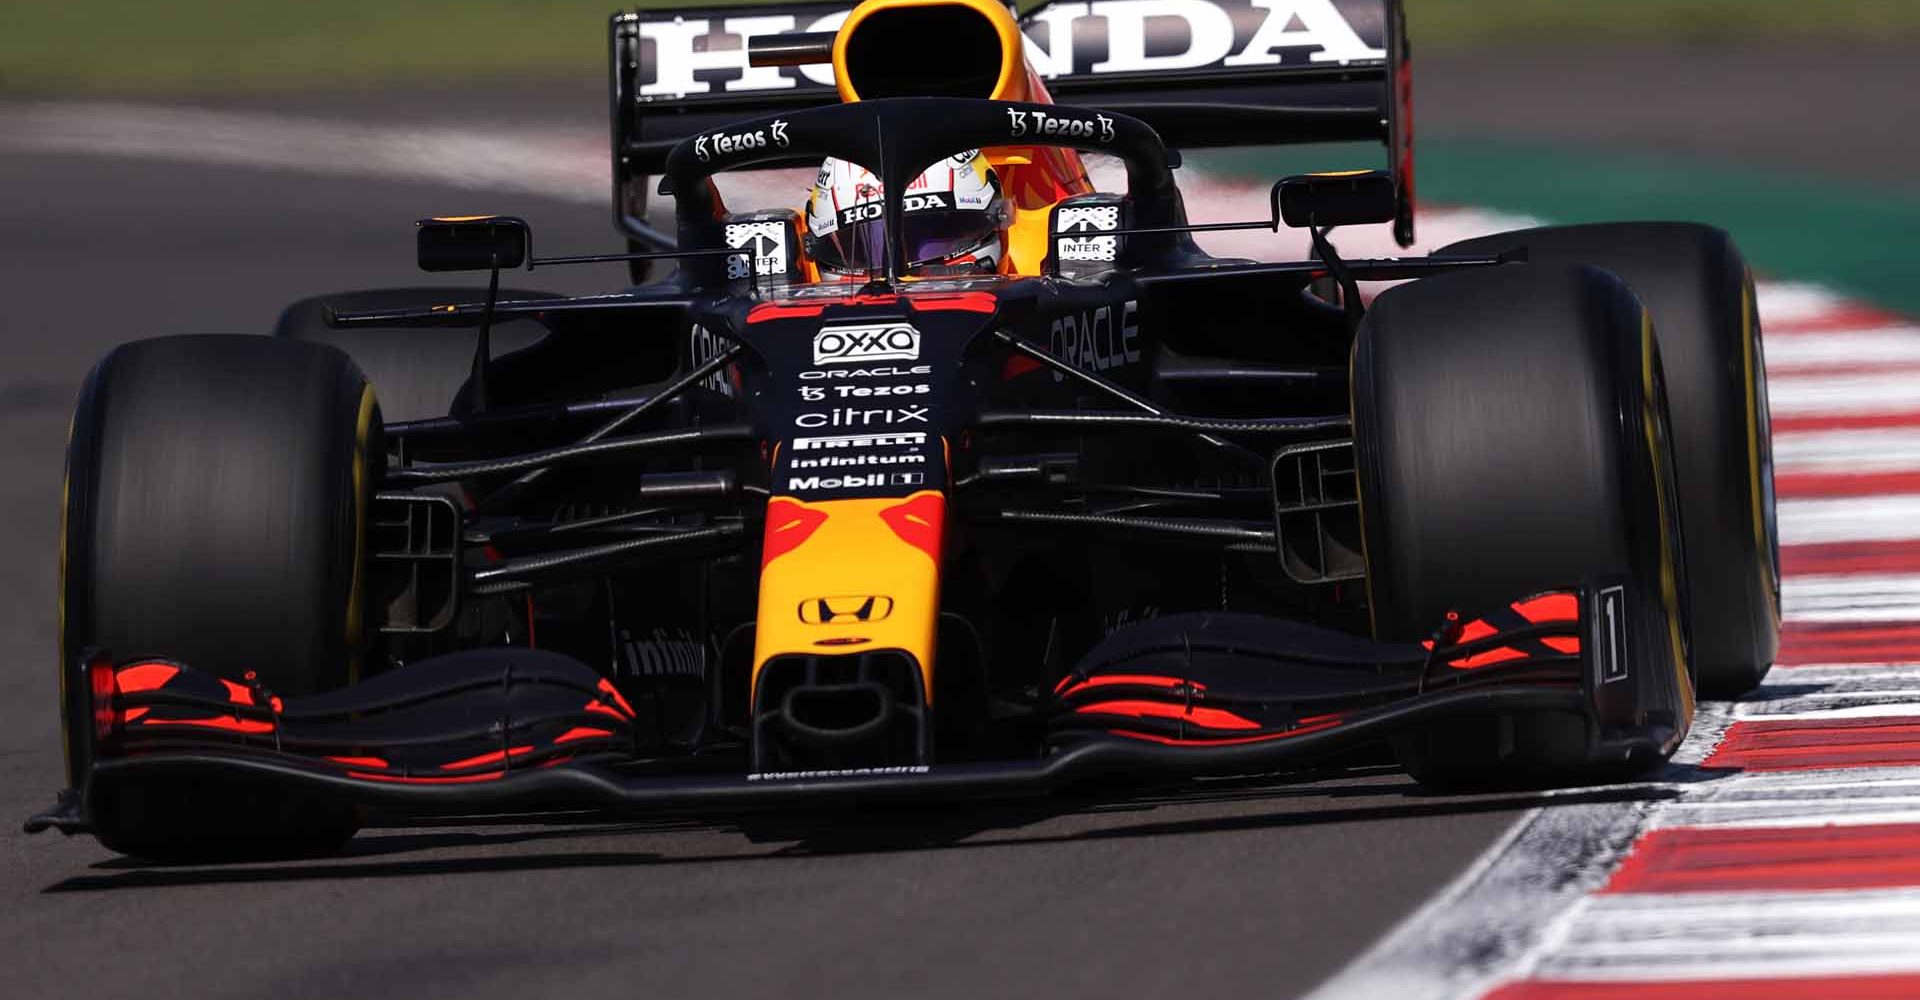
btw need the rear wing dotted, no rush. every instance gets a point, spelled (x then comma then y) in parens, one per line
(1203, 73)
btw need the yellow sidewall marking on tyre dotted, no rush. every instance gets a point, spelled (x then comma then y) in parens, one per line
(1360, 495)
(1763, 548)
(355, 625)
(1669, 581)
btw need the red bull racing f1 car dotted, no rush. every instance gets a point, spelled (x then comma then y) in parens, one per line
(965, 479)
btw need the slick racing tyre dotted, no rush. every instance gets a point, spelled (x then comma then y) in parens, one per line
(418, 371)
(1696, 286)
(217, 491)
(1510, 439)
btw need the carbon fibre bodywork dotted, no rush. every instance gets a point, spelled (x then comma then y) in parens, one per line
(745, 538)
(504, 730)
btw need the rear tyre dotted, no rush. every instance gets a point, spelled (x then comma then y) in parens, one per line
(1696, 286)
(217, 488)
(418, 371)
(1509, 437)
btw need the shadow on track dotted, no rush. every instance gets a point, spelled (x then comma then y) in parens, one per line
(380, 854)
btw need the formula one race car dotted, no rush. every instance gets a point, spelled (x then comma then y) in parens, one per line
(965, 479)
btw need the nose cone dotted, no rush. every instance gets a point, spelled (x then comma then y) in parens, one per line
(851, 577)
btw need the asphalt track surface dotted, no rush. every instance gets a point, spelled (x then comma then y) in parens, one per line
(1261, 887)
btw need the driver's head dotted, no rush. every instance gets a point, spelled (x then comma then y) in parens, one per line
(954, 219)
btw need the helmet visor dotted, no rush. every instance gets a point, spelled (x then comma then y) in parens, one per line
(945, 237)
(936, 236)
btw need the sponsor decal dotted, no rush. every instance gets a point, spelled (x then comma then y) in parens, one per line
(910, 439)
(857, 481)
(839, 345)
(1095, 341)
(1094, 248)
(706, 147)
(847, 416)
(1041, 123)
(1089, 221)
(845, 772)
(861, 213)
(664, 653)
(814, 393)
(703, 345)
(884, 371)
(681, 56)
(766, 240)
(1088, 218)
(846, 610)
(867, 211)
(843, 461)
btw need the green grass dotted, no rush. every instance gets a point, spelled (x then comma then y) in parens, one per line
(1590, 22)
(236, 46)
(187, 46)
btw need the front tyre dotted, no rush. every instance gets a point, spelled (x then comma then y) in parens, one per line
(217, 493)
(1509, 429)
(1697, 288)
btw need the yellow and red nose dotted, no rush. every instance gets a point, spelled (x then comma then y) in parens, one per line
(851, 576)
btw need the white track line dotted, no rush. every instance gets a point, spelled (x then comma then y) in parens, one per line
(1790, 353)
(1834, 395)
(1784, 304)
(1855, 451)
(1860, 597)
(562, 164)
(1849, 519)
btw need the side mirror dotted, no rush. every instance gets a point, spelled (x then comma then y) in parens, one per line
(473, 243)
(1351, 198)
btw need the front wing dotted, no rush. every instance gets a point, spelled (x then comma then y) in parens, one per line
(499, 731)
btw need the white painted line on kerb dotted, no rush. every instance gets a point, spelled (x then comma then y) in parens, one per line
(1848, 451)
(1836, 395)
(1861, 598)
(1786, 353)
(1849, 519)
(1784, 303)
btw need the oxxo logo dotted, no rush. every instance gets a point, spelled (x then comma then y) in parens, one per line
(838, 345)
(1039, 123)
(724, 143)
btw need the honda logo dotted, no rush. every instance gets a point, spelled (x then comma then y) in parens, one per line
(845, 610)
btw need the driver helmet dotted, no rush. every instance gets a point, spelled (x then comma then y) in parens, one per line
(953, 219)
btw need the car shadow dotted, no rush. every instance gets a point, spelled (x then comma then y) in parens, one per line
(1291, 801)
